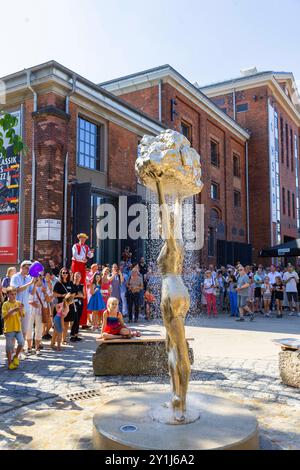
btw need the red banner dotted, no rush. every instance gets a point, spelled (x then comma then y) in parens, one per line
(9, 201)
(9, 239)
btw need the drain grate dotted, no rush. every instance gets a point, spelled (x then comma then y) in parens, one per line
(83, 395)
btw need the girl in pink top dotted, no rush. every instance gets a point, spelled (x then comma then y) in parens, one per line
(62, 311)
(106, 285)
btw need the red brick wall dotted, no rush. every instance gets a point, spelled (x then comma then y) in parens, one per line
(203, 127)
(51, 146)
(55, 135)
(51, 139)
(256, 121)
(52, 99)
(122, 153)
(146, 100)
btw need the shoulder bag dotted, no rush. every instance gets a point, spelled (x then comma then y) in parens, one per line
(44, 310)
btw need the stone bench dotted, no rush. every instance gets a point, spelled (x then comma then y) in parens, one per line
(145, 355)
(289, 361)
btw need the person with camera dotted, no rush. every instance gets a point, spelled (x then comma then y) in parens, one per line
(117, 280)
(79, 292)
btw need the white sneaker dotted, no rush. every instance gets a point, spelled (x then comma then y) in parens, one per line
(292, 314)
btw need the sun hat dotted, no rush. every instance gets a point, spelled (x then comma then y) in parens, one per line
(82, 235)
(26, 263)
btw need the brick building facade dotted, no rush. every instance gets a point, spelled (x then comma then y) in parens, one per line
(82, 143)
(222, 144)
(267, 104)
(81, 150)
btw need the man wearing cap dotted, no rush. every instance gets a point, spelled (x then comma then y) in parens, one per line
(24, 285)
(81, 252)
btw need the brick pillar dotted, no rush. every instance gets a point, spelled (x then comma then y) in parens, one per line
(51, 138)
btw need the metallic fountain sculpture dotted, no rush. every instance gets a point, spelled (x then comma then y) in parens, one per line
(145, 419)
(168, 165)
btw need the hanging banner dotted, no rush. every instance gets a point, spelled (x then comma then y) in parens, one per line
(9, 202)
(274, 165)
(297, 178)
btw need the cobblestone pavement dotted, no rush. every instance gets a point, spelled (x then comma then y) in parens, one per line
(236, 360)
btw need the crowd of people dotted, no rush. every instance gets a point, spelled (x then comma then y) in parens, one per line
(53, 306)
(246, 290)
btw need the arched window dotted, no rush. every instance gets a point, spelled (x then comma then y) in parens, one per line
(214, 216)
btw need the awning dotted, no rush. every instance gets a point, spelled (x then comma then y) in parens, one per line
(291, 248)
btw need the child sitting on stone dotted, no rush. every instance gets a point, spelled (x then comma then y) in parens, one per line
(113, 326)
(149, 300)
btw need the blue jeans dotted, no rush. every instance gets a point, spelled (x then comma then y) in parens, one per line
(142, 301)
(134, 299)
(220, 298)
(233, 304)
(124, 306)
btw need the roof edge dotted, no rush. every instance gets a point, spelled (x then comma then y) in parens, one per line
(136, 74)
(205, 99)
(59, 66)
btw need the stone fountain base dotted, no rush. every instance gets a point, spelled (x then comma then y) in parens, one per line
(140, 356)
(134, 423)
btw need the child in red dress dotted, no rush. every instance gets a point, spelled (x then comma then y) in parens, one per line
(149, 300)
(113, 326)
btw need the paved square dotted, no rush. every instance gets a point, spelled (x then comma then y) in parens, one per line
(236, 360)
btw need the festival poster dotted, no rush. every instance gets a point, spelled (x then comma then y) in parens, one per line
(9, 203)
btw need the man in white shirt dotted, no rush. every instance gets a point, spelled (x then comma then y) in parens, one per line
(24, 285)
(290, 280)
(80, 254)
(273, 274)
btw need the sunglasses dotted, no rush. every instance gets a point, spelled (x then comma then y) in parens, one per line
(65, 272)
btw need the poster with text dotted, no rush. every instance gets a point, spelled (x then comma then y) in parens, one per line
(9, 202)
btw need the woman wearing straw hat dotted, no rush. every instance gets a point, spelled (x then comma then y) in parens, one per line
(81, 252)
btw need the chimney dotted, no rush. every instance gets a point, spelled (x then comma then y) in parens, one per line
(248, 72)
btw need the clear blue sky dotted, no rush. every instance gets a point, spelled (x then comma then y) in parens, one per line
(102, 39)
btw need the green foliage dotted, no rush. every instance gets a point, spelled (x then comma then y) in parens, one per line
(7, 124)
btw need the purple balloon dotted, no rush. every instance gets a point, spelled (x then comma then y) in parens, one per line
(36, 269)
